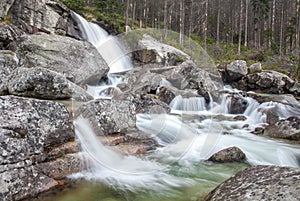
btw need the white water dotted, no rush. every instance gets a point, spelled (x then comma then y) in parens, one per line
(112, 52)
(125, 172)
(188, 104)
(186, 140)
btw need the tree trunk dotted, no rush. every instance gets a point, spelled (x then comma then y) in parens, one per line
(165, 19)
(205, 24)
(181, 23)
(246, 24)
(127, 15)
(218, 22)
(241, 28)
(281, 31)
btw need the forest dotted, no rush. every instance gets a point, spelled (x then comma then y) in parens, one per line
(265, 25)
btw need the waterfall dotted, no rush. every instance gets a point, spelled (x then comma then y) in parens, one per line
(125, 172)
(188, 104)
(112, 51)
(109, 47)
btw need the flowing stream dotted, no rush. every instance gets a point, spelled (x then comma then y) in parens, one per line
(189, 135)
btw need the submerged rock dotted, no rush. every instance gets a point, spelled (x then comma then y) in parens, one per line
(78, 61)
(231, 154)
(44, 84)
(259, 183)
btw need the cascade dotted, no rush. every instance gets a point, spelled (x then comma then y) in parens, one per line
(184, 144)
(112, 52)
(188, 104)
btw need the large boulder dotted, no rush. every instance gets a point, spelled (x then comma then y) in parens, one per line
(46, 16)
(8, 63)
(285, 129)
(44, 84)
(109, 116)
(150, 50)
(231, 154)
(259, 183)
(270, 82)
(33, 132)
(5, 7)
(78, 61)
(235, 71)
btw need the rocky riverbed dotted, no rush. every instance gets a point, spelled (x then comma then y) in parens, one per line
(45, 69)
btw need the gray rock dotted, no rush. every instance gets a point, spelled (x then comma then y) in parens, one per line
(285, 99)
(18, 184)
(59, 168)
(238, 104)
(8, 33)
(259, 183)
(255, 68)
(46, 16)
(235, 70)
(44, 84)
(165, 94)
(285, 129)
(231, 154)
(78, 61)
(269, 82)
(34, 134)
(150, 50)
(5, 6)
(8, 63)
(109, 116)
(28, 127)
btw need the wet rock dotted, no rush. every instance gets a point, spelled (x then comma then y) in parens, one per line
(44, 84)
(270, 82)
(5, 6)
(258, 131)
(165, 94)
(240, 118)
(235, 71)
(255, 68)
(78, 61)
(231, 154)
(59, 168)
(109, 116)
(8, 63)
(285, 129)
(259, 183)
(150, 105)
(46, 16)
(286, 99)
(238, 104)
